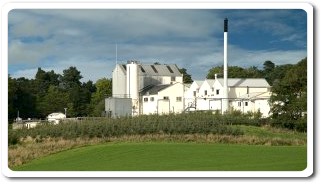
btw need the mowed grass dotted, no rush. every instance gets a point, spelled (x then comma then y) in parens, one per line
(173, 157)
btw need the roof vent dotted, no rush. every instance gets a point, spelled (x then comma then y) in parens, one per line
(169, 68)
(153, 67)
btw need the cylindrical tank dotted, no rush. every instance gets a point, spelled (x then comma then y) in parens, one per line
(132, 80)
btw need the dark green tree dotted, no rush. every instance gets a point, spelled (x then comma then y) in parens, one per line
(235, 72)
(104, 90)
(268, 66)
(71, 78)
(187, 78)
(289, 98)
(55, 100)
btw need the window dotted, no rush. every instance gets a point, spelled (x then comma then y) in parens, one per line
(246, 103)
(169, 69)
(178, 99)
(194, 93)
(142, 69)
(173, 78)
(198, 90)
(153, 67)
(146, 99)
(212, 89)
(205, 92)
(166, 98)
(217, 91)
(239, 104)
(151, 99)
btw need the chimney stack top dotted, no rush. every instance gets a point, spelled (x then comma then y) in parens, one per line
(225, 25)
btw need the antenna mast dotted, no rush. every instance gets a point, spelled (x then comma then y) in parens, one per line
(116, 55)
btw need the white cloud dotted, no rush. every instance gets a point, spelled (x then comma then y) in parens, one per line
(20, 52)
(192, 39)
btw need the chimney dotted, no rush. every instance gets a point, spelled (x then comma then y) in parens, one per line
(225, 102)
(216, 76)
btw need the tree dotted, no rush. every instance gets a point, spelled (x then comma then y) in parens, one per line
(104, 90)
(43, 80)
(268, 66)
(12, 97)
(187, 78)
(22, 98)
(289, 99)
(71, 78)
(55, 100)
(235, 72)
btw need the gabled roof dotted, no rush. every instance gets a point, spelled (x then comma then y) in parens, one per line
(155, 89)
(155, 70)
(198, 82)
(210, 81)
(159, 70)
(244, 82)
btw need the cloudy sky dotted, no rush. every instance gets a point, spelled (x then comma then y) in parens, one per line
(193, 39)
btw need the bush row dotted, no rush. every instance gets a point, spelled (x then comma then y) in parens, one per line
(204, 123)
(189, 123)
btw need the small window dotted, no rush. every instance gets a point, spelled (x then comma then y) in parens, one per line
(178, 99)
(205, 92)
(166, 98)
(212, 89)
(173, 78)
(198, 90)
(194, 93)
(151, 99)
(153, 67)
(239, 104)
(146, 99)
(169, 68)
(217, 91)
(142, 69)
(246, 103)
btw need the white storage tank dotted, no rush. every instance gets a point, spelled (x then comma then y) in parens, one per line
(132, 80)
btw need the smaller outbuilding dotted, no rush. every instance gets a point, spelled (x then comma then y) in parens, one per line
(118, 107)
(56, 117)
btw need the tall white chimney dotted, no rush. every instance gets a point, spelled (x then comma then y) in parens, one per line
(225, 102)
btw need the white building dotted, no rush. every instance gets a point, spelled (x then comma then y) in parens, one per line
(56, 117)
(190, 95)
(246, 95)
(159, 89)
(133, 79)
(163, 99)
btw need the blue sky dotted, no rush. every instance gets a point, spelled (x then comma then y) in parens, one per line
(193, 39)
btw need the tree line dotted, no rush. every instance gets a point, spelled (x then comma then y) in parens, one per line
(50, 92)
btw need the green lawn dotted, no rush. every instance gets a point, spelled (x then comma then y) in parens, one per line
(173, 157)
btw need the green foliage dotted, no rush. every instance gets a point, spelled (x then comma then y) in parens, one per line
(203, 123)
(289, 99)
(50, 92)
(13, 137)
(235, 72)
(187, 78)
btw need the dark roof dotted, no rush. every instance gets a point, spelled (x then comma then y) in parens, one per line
(153, 90)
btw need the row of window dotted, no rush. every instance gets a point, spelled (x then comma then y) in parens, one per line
(205, 92)
(178, 99)
(240, 104)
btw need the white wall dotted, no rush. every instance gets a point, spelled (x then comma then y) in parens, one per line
(174, 103)
(149, 106)
(119, 82)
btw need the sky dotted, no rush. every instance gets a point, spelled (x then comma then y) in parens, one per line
(190, 38)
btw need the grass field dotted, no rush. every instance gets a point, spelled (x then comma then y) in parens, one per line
(173, 157)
